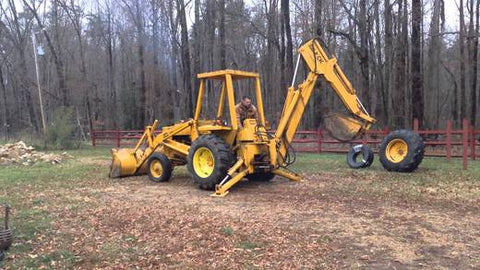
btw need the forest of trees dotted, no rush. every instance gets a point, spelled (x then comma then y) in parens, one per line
(123, 63)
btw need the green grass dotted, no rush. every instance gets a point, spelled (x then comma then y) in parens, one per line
(33, 191)
(434, 177)
(312, 163)
(227, 231)
(37, 191)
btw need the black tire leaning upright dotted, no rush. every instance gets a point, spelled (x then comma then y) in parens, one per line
(260, 177)
(402, 151)
(162, 173)
(222, 160)
(367, 156)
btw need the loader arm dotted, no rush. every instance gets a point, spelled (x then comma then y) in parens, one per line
(319, 64)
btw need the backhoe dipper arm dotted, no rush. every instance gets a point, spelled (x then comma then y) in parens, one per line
(319, 63)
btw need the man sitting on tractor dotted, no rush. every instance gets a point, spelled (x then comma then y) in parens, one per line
(245, 110)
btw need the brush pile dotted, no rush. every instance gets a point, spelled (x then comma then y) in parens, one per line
(20, 153)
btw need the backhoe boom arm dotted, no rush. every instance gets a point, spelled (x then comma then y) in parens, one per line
(319, 64)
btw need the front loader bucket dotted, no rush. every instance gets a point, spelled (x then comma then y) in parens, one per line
(124, 163)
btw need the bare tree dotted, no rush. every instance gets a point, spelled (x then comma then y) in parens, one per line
(461, 41)
(186, 68)
(223, 44)
(18, 36)
(54, 51)
(121, 65)
(417, 84)
(474, 59)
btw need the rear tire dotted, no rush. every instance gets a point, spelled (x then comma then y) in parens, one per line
(159, 167)
(209, 159)
(402, 151)
(260, 177)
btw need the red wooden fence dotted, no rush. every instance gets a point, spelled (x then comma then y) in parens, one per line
(447, 143)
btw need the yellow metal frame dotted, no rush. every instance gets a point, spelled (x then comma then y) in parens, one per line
(227, 76)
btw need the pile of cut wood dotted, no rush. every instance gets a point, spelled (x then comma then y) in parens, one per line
(20, 153)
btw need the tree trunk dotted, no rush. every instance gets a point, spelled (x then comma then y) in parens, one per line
(388, 59)
(6, 112)
(407, 104)
(26, 85)
(432, 80)
(417, 84)
(186, 68)
(56, 58)
(473, 98)
(461, 41)
(317, 111)
(285, 7)
(223, 44)
(398, 104)
(112, 102)
(378, 67)
(161, 112)
(197, 55)
(141, 59)
(173, 63)
(282, 49)
(364, 55)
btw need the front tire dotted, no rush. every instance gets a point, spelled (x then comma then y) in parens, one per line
(159, 168)
(402, 151)
(209, 159)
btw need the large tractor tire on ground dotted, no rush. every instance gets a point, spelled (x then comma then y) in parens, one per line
(402, 151)
(159, 168)
(366, 157)
(261, 177)
(209, 159)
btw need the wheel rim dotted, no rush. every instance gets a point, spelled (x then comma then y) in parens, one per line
(156, 168)
(396, 150)
(203, 162)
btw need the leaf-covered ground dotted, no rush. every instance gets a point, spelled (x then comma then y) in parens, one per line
(73, 216)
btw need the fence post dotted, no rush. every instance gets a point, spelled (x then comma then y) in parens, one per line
(472, 142)
(319, 140)
(415, 125)
(118, 138)
(449, 140)
(465, 143)
(94, 143)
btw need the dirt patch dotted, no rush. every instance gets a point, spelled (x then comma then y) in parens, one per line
(277, 225)
(325, 222)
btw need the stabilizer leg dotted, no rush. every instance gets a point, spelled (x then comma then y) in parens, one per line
(288, 174)
(221, 190)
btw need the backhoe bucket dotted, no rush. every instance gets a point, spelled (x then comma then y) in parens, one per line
(124, 163)
(342, 127)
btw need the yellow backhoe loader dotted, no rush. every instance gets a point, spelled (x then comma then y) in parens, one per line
(220, 152)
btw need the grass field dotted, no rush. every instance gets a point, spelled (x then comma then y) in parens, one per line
(73, 216)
